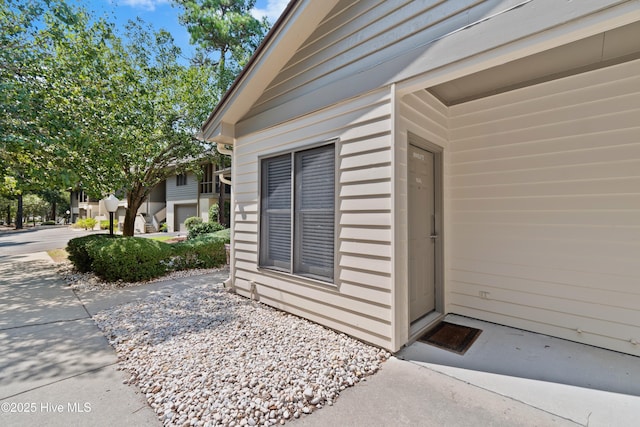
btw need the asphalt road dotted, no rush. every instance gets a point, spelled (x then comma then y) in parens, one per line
(37, 239)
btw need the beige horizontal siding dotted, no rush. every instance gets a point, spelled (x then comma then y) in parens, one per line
(421, 114)
(359, 302)
(339, 318)
(337, 60)
(544, 192)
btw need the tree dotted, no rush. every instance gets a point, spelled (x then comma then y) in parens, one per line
(35, 206)
(57, 200)
(146, 109)
(30, 129)
(226, 35)
(83, 106)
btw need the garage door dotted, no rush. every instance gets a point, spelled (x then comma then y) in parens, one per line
(182, 212)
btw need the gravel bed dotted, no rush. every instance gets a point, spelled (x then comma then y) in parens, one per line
(204, 356)
(90, 282)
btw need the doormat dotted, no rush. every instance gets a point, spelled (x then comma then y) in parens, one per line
(452, 337)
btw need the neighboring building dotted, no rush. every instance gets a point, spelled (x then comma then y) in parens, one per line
(395, 161)
(82, 206)
(188, 196)
(150, 215)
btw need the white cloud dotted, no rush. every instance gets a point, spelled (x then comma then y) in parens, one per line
(273, 10)
(149, 5)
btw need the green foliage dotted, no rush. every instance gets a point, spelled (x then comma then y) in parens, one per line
(203, 228)
(134, 259)
(213, 213)
(131, 259)
(104, 224)
(190, 222)
(35, 94)
(33, 205)
(223, 234)
(48, 223)
(224, 30)
(164, 227)
(86, 223)
(80, 102)
(78, 250)
(204, 252)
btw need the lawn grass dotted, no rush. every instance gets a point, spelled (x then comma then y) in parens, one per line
(58, 255)
(162, 238)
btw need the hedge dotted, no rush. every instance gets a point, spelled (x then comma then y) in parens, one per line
(197, 230)
(223, 234)
(134, 259)
(78, 250)
(131, 259)
(203, 252)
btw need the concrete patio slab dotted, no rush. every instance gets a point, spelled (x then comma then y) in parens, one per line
(513, 352)
(403, 393)
(585, 384)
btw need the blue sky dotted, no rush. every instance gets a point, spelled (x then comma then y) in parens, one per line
(161, 14)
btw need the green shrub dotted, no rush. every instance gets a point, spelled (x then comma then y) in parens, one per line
(49, 223)
(203, 228)
(78, 250)
(164, 227)
(86, 223)
(223, 234)
(104, 224)
(192, 221)
(213, 213)
(131, 259)
(203, 252)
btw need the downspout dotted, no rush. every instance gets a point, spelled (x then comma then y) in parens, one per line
(222, 150)
(224, 180)
(198, 211)
(229, 283)
(226, 152)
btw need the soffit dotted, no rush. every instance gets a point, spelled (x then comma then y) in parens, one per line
(604, 49)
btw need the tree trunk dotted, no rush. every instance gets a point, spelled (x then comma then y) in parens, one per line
(8, 214)
(54, 207)
(19, 213)
(135, 198)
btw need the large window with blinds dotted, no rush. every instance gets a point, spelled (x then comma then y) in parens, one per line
(298, 212)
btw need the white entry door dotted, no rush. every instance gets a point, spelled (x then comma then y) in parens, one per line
(422, 233)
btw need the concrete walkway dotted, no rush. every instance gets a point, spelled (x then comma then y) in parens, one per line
(57, 369)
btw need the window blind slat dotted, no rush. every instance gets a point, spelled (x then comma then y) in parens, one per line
(315, 200)
(276, 212)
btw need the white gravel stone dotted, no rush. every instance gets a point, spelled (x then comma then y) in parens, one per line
(90, 282)
(205, 356)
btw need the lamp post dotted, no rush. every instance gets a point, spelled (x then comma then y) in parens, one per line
(68, 217)
(111, 203)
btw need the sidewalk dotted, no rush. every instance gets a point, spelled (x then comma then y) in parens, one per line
(57, 369)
